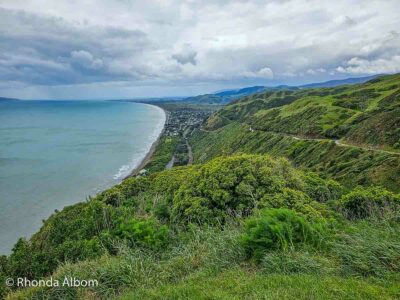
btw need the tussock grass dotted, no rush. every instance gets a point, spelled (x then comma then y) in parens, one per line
(202, 249)
(245, 284)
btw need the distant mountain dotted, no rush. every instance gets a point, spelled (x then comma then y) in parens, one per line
(207, 99)
(224, 97)
(227, 96)
(333, 83)
(240, 92)
(337, 131)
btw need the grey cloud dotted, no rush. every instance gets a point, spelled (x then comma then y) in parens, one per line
(193, 43)
(186, 57)
(84, 59)
(349, 21)
(38, 46)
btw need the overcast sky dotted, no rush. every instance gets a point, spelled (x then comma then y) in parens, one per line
(71, 49)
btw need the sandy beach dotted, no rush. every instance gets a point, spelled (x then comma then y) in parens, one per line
(153, 147)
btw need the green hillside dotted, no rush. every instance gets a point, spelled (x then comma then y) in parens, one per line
(350, 133)
(293, 195)
(248, 225)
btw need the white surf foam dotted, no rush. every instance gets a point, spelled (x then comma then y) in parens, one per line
(125, 170)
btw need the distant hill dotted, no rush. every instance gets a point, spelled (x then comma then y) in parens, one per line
(227, 96)
(336, 131)
(240, 92)
(333, 83)
(206, 99)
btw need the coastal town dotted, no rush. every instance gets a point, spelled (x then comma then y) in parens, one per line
(173, 148)
(182, 120)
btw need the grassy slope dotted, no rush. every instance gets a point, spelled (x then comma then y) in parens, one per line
(244, 284)
(364, 116)
(337, 112)
(360, 262)
(194, 257)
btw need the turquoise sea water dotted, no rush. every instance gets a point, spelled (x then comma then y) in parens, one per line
(56, 153)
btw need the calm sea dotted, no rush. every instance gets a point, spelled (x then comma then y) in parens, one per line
(56, 153)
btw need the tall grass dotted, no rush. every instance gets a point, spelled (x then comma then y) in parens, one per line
(207, 250)
(369, 249)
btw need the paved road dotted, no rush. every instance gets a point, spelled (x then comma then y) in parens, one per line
(170, 164)
(190, 153)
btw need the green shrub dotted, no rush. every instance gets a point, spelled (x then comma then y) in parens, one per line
(148, 233)
(279, 229)
(80, 249)
(322, 190)
(366, 202)
(24, 262)
(113, 197)
(4, 289)
(134, 185)
(231, 186)
(294, 200)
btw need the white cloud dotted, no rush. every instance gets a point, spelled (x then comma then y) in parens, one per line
(358, 65)
(265, 73)
(187, 43)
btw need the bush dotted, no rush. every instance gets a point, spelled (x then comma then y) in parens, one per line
(148, 233)
(366, 202)
(4, 289)
(294, 200)
(279, 229)
(231, 186)
(322, 190)
(80, 249)
(113, 197)
(24, 262)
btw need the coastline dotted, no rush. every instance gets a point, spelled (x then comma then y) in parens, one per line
(146, 159)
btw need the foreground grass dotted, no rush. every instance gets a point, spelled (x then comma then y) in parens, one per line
(244, 284)
(140, 239)
(210, 264)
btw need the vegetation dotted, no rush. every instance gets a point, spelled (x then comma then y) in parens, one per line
(240, 223)
(162, 154)
(366, 202)
(229, 216)
(356, 144)
(173, 148)
(279, 229)
(340, 112)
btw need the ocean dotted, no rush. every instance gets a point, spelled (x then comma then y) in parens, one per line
(57, 153)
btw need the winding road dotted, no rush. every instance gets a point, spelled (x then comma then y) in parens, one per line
(340, 143)
(337, 142)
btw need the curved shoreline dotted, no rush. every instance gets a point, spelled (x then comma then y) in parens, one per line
(149, 154)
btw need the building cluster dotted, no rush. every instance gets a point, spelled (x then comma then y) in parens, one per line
(182, 120)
